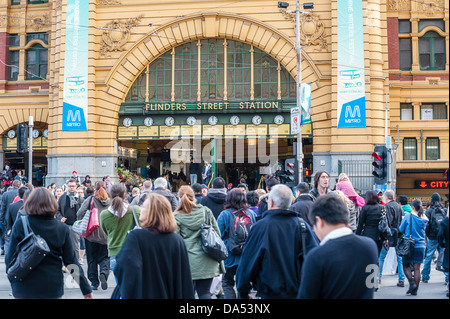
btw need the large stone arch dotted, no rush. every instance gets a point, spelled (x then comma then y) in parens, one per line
(201, 26)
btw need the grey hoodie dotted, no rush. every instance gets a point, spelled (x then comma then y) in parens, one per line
(98, 236)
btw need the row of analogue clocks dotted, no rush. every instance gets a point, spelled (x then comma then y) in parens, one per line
(36, 133)
(212, 120)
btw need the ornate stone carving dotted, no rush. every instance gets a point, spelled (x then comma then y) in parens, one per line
(430, 6)
(116, 34)
(11, 20)
(312, 30)
(39, 23)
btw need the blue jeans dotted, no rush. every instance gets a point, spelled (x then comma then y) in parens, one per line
(383, 253)
(432, 246)
(193, 179)
(112, 265)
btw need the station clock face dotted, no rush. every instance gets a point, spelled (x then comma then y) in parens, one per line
(12, 134)
(36, 133)
(256, 120)
(127, 122)
(235, 120)
(279, 119)
(169, 121)
(45, 133)
(212, 120)
(191, 120)
(148, 121)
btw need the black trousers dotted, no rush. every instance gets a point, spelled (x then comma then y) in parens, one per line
(98, 261)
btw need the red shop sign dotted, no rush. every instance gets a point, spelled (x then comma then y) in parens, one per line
(427, 184)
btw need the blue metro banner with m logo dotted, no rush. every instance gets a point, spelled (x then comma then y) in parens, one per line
(351, 84)
(75, 99)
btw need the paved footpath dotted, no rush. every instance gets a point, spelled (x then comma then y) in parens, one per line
(434, 289)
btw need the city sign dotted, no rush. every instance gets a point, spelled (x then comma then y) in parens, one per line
(431, 184)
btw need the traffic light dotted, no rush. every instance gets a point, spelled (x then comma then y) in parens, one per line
(22, 137)
(379, 163)
(307, 175)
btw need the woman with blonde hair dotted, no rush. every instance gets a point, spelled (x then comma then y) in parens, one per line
(96, 243)
(190, 216)
(153, 262)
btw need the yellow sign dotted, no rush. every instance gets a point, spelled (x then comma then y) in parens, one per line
(127, 132)
(169, 131)
(212, 130)
(280, 130)
(151, 131)
(234, 130)
(256, 130)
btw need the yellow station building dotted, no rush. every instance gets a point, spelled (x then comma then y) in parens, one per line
(216, 80)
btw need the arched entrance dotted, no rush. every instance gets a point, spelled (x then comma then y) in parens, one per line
(208, 78)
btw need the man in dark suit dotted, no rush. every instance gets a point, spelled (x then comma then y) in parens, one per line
(206, 173)
(304, 201)
(11, 215)
(7, 199)
(344, 265)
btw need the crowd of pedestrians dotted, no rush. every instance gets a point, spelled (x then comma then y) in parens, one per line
(282, 243)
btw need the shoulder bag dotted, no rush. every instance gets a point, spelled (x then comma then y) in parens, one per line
(94, 221)
(405, 245)
(29, 254)
(212, 244)
(383, 225)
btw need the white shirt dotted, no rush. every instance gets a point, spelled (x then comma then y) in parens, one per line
(339, 232)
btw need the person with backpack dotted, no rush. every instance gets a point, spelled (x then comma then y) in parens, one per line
(234, 222)
(435, 214)
(273, 254)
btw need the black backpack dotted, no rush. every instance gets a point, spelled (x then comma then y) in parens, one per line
(437, 216)
(240, 224)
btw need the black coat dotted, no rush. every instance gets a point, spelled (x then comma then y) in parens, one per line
(302, 206)
(153, 265)
(46, 280)
(369, 218)
(442, 238)
(214, 201)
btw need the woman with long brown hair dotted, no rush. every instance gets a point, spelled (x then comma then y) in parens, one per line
(190, 216)
(96, 243)
(153, 262)
(117, 220)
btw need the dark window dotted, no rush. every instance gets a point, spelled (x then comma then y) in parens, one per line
(404, 26)
(409, 148)
(14, 65)
(432, 51)
(36, 62)
(432, 148)
(431, 23)
(405, 52)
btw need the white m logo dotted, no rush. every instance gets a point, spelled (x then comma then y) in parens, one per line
(352, 112)
(73, 117)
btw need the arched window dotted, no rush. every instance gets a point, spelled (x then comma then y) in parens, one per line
(213, 70)
(36, 62)
(432, 51)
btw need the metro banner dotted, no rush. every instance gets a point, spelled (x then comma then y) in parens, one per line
(75, 98)
(351, 87)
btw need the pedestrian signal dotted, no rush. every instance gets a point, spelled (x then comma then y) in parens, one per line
(380, 164)
(22, 137)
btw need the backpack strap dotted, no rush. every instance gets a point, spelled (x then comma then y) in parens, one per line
(304, 230)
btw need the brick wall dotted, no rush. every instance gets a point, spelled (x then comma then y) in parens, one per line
(393, 53)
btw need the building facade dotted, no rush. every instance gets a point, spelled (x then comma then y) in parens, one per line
(216, 81)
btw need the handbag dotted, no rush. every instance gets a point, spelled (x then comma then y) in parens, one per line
(212, 244)
(80, 226)
(29, 254)
(383, 226)
(94, 222)
(405, 245)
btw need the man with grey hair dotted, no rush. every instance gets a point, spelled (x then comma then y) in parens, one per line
(140, 199)
(272, 258)
(161, 188)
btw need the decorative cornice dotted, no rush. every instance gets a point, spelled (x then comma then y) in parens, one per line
(108, 2)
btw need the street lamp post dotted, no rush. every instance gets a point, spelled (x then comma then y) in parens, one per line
(298, 49)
